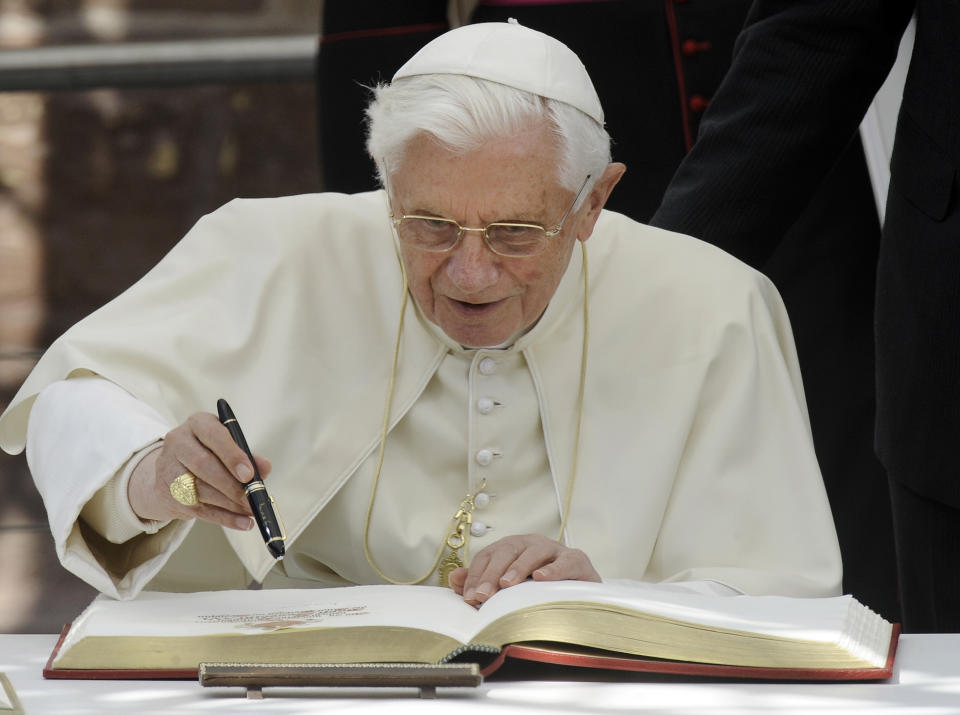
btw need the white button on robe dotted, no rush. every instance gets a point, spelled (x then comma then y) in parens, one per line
(478, 529)
(487, 366)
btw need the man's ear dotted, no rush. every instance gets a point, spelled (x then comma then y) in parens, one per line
(597, 198)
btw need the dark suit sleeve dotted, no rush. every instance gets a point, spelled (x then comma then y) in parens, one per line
(803, 75)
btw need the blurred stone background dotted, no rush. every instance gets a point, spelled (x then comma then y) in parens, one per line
(95, 186)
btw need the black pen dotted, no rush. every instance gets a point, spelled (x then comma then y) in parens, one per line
(260, 502)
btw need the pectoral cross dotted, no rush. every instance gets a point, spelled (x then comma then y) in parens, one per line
(447, 564)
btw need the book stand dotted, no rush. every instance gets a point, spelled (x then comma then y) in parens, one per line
(256, 676)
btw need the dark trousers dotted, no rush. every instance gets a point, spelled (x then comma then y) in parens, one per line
(928, 559)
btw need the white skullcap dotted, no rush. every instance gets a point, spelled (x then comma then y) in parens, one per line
(510, 54)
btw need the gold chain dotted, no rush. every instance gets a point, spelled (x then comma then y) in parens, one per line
(459, 531)
(458, 536)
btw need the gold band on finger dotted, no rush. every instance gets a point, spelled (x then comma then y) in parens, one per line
(184, 489)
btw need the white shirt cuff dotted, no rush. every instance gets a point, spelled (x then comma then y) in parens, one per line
(109, 511)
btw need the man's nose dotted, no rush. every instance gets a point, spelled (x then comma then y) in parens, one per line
(472, 266)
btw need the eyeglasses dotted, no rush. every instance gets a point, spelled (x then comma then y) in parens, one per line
(505, 238)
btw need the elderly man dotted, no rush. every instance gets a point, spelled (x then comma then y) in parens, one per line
(529, 413)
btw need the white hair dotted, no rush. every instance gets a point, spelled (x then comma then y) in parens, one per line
(465, 112)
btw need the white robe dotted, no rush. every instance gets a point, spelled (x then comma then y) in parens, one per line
(695, 458)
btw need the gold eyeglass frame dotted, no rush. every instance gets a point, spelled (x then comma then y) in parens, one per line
(547, 233)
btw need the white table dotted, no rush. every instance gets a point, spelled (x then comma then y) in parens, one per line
(926, 680)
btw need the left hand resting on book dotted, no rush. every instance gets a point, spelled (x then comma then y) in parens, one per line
(514, 559)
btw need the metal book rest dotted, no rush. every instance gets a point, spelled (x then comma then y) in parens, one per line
(256, 676)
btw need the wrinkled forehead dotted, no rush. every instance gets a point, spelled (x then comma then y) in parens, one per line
(534, 139)
(508, 176)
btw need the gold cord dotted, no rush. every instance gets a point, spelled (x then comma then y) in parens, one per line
(457, 531)
(580, 390)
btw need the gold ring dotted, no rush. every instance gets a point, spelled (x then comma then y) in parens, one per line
(184, 489)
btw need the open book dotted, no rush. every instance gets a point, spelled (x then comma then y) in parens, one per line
(636, 626)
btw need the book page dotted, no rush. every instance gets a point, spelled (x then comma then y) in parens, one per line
(297, 612)
(666, 621)
(247, 612)
(817, 619)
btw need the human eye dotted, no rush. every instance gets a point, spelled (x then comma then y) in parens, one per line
(428, 232)
(515, 238)
(435, 224)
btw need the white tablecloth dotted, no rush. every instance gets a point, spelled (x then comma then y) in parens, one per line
(926, 680)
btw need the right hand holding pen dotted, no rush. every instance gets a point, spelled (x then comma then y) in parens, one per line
(203, 447)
